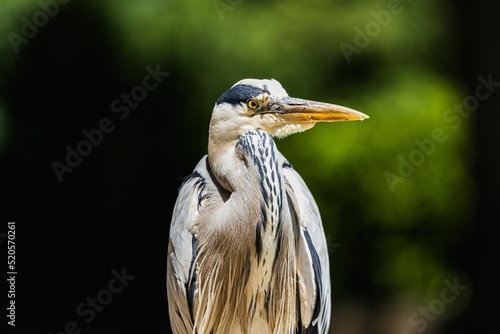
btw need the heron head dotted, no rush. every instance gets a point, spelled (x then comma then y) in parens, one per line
(253, 104)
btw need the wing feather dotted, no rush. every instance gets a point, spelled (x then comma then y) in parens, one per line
(313, 272)
(313, 269)
(181, 272)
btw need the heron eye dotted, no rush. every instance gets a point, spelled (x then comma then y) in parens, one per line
(252, 104)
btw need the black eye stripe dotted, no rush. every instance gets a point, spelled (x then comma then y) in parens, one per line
(239, 94)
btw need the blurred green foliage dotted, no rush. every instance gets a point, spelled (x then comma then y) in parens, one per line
(395, 238)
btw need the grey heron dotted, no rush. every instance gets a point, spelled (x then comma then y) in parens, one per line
(247, 251)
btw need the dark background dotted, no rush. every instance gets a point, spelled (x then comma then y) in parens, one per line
(113, 210)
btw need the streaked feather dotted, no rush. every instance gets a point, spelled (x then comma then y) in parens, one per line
(224, 294)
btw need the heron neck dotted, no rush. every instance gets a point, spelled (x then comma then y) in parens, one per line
(251, 235)
(221, 156)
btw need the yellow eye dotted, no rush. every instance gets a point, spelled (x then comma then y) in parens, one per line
(252, 104)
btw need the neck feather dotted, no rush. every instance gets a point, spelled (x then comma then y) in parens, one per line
(251, 228)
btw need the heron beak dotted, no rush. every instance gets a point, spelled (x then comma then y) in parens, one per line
(294, 110)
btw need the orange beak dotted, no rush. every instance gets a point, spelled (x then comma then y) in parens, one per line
(294, 110)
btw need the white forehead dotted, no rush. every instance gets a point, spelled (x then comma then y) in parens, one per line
(270, 85)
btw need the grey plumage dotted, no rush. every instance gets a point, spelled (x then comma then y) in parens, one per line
(247, 251)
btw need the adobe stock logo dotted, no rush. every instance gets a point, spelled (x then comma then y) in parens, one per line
(420, 320)
(453, 118)
(29, 29)
(363, 37)
(94, 137)
(93, 305)
(225, 6)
